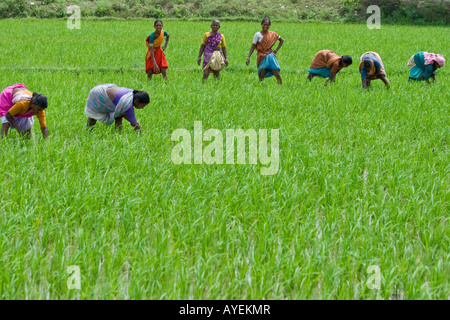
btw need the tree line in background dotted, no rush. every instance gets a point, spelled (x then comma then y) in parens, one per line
(392, 11)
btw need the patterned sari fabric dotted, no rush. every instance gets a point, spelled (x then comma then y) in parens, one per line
(100, 107)
(324, 63)
(212, 58)
(265, 58)
(431, 58)
(376, 72)
(160, 57)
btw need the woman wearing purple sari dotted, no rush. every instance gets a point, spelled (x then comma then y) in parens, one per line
(214, 59)
(109, 103)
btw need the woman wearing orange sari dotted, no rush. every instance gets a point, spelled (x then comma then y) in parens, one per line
(155, 60)
(263, 42)
(326, 64)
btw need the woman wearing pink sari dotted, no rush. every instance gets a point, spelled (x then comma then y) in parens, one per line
(214, 59)
(18, 105)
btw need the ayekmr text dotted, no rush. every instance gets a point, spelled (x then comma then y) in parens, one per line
(238, 309)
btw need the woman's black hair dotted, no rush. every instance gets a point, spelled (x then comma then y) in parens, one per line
(215, 20)
(141, 96)
(266, 19)
(40, 100)
(435, 65)
(368, 63)
(347, 60)
(157, 22)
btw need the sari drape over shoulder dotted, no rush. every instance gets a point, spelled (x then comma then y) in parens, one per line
(160, 57)
(267, 60)
(213, 58)
(23, 95)
(100, 107)
(266, 44)
(324, 63)
(375, 73)
(6, 98)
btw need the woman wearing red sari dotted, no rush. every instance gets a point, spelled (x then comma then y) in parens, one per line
(155, 60)
(263, 42)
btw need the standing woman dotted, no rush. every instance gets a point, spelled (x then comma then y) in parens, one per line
(326, 64)
(17, 108)
(422, 66)
(267, 62)
(214, 59)
(371, 68)
(108, 103)
(155, 59)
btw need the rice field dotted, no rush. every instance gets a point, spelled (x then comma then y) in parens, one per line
(363, 177)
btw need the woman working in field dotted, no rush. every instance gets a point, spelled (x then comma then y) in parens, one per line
(422, 66)
(155, 59)
(214, 59)
(371, 68)
(327, 64)
(17, 108)
(267, 62)
(108, 103)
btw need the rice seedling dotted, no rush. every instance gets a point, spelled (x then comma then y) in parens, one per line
(363, 176)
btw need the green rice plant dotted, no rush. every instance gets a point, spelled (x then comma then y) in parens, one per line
(363, 177)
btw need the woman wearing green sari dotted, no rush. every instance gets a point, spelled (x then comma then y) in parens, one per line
(423, 65)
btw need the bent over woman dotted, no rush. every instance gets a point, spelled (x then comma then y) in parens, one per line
(17, 108)
(371, 68)
(326, 64)
(423, 66)
(109, 103)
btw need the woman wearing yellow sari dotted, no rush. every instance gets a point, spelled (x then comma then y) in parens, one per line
(155, 60)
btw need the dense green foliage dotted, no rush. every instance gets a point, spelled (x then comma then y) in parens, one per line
(363, 179)
(404, 11)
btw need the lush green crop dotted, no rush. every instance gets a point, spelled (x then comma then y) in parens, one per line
(363, 177)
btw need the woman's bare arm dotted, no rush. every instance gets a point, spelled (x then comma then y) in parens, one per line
(252, 48)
